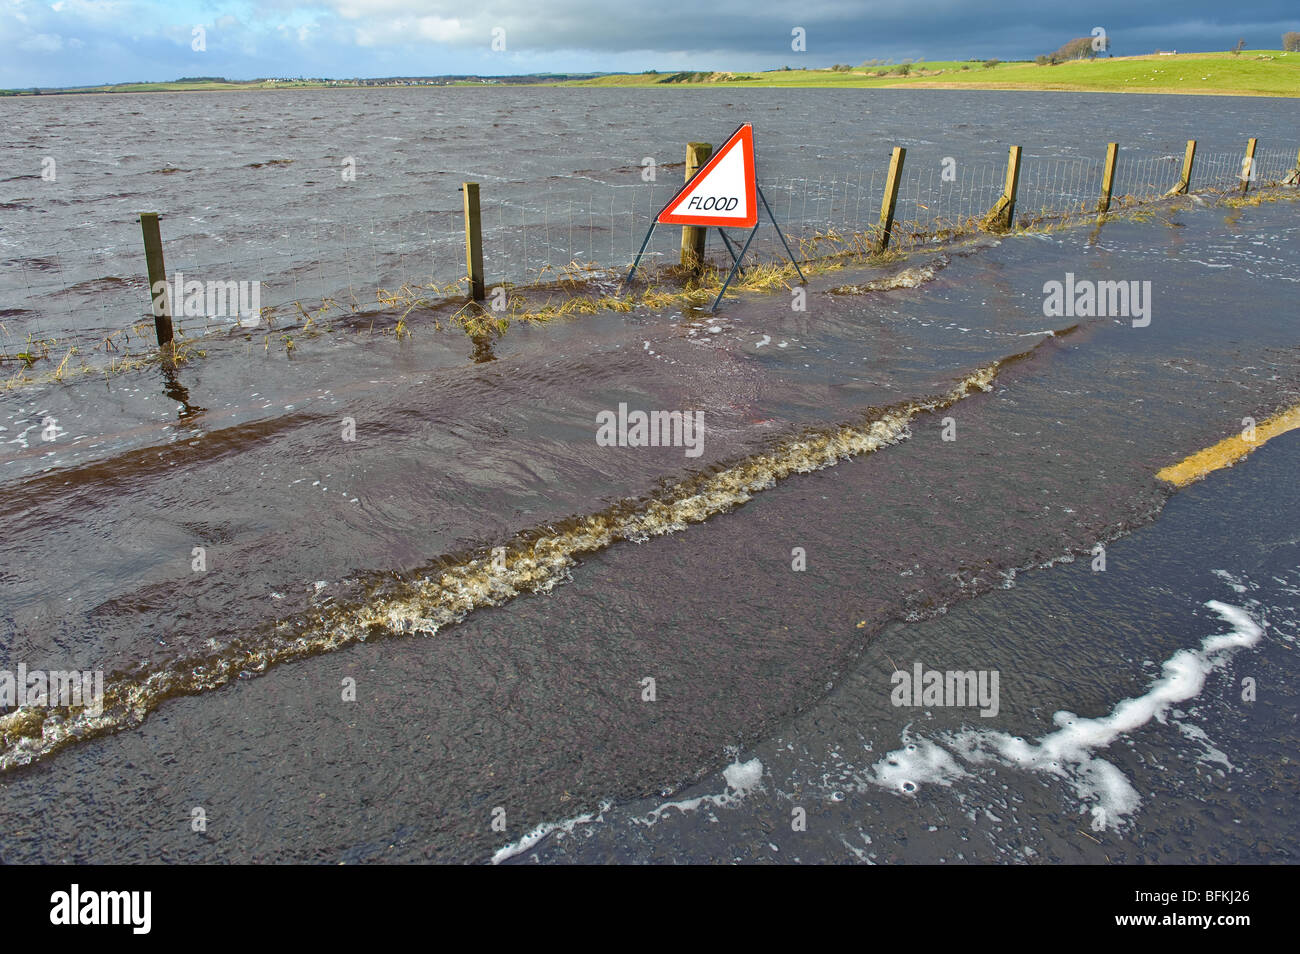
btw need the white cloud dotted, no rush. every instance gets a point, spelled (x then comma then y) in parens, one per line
(87, 12)
(440, 30)
(403, 30)
(42, 43)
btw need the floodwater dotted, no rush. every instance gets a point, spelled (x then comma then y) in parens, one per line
(341, 195)
(434, 618)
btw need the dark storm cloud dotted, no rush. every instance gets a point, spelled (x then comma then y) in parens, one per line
(67, 42)
(934, 28)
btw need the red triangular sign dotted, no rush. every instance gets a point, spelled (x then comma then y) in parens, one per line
(723, 193)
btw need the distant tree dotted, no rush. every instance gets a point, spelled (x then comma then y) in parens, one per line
(904, 69)
(989, 64)
(1042, 60)
(1077, 49)
(1236, 50)
(1291, 41)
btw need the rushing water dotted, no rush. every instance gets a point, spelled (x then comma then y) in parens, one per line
(514, 678)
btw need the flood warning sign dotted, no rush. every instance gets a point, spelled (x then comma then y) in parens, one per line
(723, 192)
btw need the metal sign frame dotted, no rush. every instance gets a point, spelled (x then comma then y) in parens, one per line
(735, 259)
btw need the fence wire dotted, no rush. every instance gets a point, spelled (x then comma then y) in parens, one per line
(85, 287)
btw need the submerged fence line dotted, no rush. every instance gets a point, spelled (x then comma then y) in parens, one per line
(95, 274)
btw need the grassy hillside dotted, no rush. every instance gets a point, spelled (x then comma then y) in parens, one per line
(1253, 73)
(174, 86)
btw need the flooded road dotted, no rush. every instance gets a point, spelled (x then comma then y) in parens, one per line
(371, 599)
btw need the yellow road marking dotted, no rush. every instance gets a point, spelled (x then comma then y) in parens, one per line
(1229, 450)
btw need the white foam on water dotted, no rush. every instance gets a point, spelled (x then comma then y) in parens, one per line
(918, 762)
(1069, 753)
(1231, 580)
(742, 778)
(1209, 752)
(544, 829)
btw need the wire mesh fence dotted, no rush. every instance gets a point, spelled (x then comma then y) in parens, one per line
(1059, 186)
(84, 287)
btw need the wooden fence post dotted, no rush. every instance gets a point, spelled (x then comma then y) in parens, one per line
(890, 199)
(1248, 166)
(160, 300)
(1185, 180)
(1108, 177)
(1003, 212)
(473, 241)
(697, 154)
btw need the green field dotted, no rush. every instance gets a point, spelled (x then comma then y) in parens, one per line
(174, 86)
(1252, 73)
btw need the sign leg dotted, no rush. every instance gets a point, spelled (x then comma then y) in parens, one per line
(734, 269)
(727, 242)
(637, 261)
(782, 235)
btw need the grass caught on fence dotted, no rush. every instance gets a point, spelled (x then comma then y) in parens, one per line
(577, 288)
